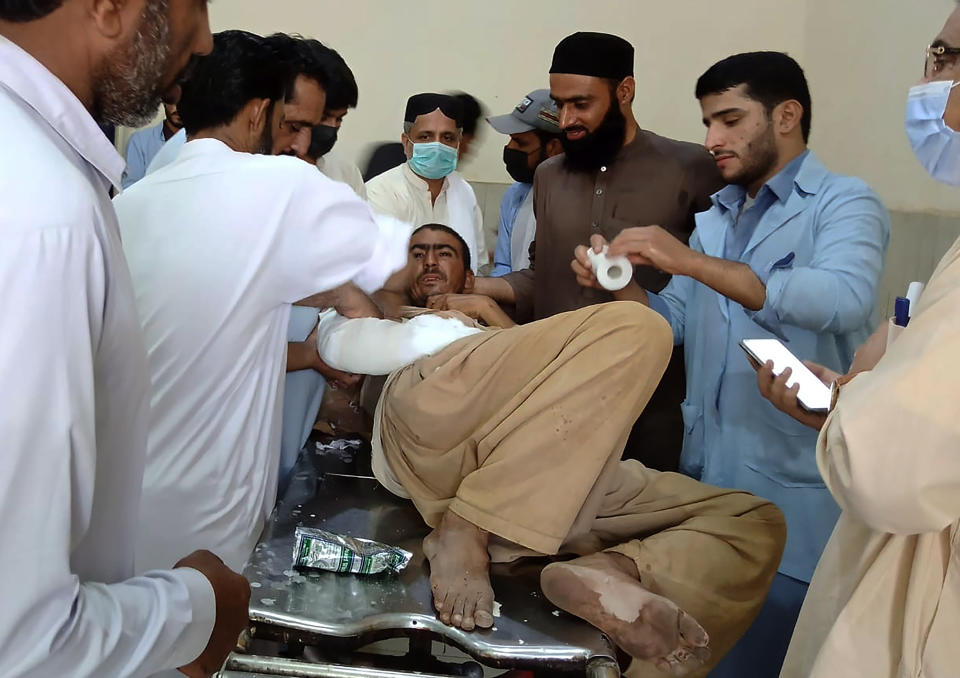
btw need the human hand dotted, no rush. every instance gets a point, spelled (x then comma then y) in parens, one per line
(774, 388)
(473, 306)
(581, 264)
(654, 246)
(232, 593)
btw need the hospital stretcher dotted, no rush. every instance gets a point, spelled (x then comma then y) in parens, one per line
(329, 617)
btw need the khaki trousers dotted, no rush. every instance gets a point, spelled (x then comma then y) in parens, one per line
(520, 432)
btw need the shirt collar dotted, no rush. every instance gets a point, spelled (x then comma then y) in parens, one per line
(30, 81)
(730, 197)
(418, 182)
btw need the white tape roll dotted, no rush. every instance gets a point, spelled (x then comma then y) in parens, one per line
(613, 273)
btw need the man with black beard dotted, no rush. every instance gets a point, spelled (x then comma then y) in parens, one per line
(612, 175)
(75, 403)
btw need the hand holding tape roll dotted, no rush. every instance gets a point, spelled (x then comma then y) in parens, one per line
(613, 273)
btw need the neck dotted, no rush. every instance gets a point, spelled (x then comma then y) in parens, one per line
(783, 159)
(67, 57)
(632, 128)
(434, 185)
(169, 129)
(228, 134)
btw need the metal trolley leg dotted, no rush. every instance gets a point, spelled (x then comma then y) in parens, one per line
(603, 667)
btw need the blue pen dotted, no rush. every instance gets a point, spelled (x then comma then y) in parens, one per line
(901, 312)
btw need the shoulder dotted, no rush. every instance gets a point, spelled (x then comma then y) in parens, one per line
(387, 181)
(33, 160)
(685, 153)
(830, 187)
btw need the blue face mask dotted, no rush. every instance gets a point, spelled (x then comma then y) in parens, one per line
(433, 160)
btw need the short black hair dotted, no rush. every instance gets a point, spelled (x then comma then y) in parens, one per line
(464, 247)
(241, 67)
(546, 137)
(21, 11)
(472, 111)
(770, 78)
(341, 88)
(299, 56)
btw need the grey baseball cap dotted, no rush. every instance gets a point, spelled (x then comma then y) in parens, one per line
(536, 111)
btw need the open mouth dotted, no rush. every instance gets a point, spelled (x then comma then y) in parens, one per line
(575, 133)
(430, 279)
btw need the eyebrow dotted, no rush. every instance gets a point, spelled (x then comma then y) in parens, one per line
(433, 246)
(575, 99)
(724, 112)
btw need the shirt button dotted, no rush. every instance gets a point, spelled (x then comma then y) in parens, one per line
(595, 225)
(603, 169)
(599, 191)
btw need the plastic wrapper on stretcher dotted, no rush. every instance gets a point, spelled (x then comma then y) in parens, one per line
(315, 549)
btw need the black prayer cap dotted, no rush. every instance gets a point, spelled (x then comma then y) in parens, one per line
(423, 104)
(599, 55)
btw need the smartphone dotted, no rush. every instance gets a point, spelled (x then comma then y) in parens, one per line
(814, 396)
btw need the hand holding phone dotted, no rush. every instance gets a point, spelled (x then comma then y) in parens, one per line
(813, 396)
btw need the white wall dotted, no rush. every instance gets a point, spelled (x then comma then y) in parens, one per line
(861, 56)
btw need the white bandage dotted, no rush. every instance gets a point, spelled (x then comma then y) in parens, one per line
(373, 346)
(613, 273)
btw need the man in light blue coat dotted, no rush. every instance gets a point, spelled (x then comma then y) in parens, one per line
(788, 251)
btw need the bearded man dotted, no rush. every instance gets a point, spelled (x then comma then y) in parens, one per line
(790, 251)
(76, 402)
(611, 176)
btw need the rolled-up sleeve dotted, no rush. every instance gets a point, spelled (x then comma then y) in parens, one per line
(836, 291)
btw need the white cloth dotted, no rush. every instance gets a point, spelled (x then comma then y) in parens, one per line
(220, 244)
(378, 347)
(523, 233)
(168, 152)
(400, 193)
(336, 167)
(74, 413)
(885, 598)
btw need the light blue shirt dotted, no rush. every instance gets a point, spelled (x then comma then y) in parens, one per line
(509, 208)
(141, 148)
(818, 245)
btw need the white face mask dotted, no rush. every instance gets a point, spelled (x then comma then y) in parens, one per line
(936, 146)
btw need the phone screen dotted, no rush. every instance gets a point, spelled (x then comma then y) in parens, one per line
(813, 395)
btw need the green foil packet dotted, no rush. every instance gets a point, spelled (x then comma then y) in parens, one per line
(320, 550)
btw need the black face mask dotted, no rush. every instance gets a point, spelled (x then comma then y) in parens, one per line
(599, 147)
(518, 166)
(322, 140)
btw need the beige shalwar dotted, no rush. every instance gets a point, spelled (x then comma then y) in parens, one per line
(520, 431)
(885, 598)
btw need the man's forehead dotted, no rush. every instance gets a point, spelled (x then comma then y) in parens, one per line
(950, 33)
(435, 120)
(565, 86)
(735, 97)
(431, 239)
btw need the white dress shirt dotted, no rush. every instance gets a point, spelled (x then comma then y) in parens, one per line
(73, 418)
(220, 244)
(401, 193)
(335, 166)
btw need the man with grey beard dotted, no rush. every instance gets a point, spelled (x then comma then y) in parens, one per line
(75, 407)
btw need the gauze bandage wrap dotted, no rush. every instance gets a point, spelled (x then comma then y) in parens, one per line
(373, 346)
(613, 273)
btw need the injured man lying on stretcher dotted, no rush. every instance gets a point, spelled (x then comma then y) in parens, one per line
(508, 441)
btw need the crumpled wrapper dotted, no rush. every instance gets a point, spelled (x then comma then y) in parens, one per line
(315, 549)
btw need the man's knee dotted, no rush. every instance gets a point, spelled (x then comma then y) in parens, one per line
(643, 328)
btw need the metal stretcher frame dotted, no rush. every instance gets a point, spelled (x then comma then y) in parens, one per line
(335, 491)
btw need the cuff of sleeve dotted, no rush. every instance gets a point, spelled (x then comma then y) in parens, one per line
(658, 304)
(523, 296)
(203, 603)
(768, 317)
(499, 270)
(389, 254)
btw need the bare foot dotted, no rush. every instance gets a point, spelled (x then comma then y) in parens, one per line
(604, 589)
(460, 573)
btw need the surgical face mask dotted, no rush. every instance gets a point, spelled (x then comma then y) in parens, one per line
(433, 160)
(322, 139)
(518, 165)
(936, 146)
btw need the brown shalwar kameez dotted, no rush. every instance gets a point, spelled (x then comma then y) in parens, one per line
(652, 181)
(520, 431)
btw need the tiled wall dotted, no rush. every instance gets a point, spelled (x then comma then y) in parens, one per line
(917, 242)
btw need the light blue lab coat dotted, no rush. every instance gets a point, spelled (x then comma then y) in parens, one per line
(820, 249)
